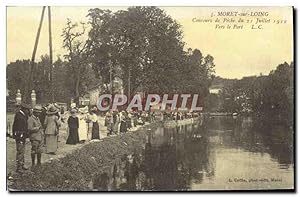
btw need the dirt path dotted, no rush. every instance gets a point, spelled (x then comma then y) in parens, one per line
(72, 166)
(63, 148)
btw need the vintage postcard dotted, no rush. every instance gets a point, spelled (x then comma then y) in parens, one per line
(150, 98)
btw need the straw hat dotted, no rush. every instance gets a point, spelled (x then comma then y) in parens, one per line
(94, 109)
(56, 105)
(84, 110)
(52, 110)
(73, 111)
(37, 108)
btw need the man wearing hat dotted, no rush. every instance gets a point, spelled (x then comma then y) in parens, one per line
(20, 133)
(36, 134)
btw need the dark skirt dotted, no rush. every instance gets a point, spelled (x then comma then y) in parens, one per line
(123, 127)
(73, 137)
(95, 131)
(128, 123)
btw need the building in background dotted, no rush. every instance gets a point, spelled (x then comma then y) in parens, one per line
(215, 89)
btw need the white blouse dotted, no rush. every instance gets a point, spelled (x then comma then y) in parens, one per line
(94, 118)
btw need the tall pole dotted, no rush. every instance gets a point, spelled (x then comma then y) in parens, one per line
(129, 75)
(110, 79)
(31, 68)
(110, 83)
(50, 52)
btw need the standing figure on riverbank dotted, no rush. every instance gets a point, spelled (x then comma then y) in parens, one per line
(95, 128)
(128, 120)
(109, 123)
(20, 133)
(43, 114)
(123, 123)
(83, 125)
(42, 118)
(73, 125)
(52, 124)
(89, 124)
(107, 118)
(36, 135)
(116, 122)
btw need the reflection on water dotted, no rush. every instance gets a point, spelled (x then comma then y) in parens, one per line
(217, 153)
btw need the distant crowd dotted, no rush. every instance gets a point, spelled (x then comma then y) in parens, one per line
(41, 125)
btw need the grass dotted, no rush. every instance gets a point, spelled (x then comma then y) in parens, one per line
(74, 171)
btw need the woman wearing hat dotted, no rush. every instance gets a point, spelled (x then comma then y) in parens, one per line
(95, 127)
(52, 124)
(73, 124)
(83, 125)
(123, 124)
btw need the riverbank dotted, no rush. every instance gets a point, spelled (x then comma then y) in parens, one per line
(74, 171)
(62, 151)
(176, 123)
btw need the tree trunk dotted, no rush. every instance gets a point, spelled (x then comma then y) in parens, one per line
(77, 82)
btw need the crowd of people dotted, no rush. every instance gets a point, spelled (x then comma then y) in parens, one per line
(123, 121)
(82, 125)
(41, 125)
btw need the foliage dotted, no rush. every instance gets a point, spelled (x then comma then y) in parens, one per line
(270, 96)
(80, 76)
(16, 75)
(144, 45)
(17, 79)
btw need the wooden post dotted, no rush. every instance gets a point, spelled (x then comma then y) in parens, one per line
(50, 53)
(31, 68)
(129, 75)
(111, 79)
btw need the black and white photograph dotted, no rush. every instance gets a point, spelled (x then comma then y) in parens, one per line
(150, 98)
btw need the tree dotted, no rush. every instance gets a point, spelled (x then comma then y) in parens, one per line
(61, 81)
(16, 79)
(270, 97)
(41, 79)
(78, 68)
(143, 43)
(197, 72)
(278, 93)
(144, 47)
(16, 76)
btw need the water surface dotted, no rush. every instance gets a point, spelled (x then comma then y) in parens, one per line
(215, 154)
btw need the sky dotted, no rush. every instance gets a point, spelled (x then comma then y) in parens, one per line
(237, 52)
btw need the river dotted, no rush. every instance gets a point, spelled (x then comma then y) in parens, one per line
(217, 153)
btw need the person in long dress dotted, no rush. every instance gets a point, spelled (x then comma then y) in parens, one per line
(52, 124)
(123, 124)
(73, 125)
(116, 123)
(95, 127)
(109, 123)
(89, 126)
(83, 127)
